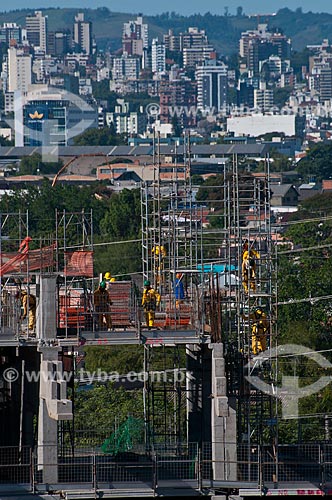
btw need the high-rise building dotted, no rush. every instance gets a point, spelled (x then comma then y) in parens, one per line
(212, 83)
(59, 42)
(192, 56)
(263, 99)
(47, 117)
(10, 33)
(325, 83)
(83, 34)
(173, 42)
(258, 45)
(36, 29)
(135, 37)
(245, 92)
(194, 38)
(158, 56)
(125, 68)
(140, 29)
(19, 70)
(178, 97)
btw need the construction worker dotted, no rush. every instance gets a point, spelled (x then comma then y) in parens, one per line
(150, 301)
(159, 253)
(259, 325)
(249, 256)
(108, 279)
(178, 290)
(29, 304)
(102, 305)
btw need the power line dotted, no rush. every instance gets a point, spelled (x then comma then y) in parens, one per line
(312, 300)
(297, 250)
(116, 242)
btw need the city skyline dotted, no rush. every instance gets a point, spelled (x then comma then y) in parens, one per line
(149, 7)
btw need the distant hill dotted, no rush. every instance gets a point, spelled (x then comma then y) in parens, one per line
(224, 32)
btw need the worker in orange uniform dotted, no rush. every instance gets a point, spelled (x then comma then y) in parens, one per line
(159, 253)
(102, 304)
(259, 325)
(249, 256)
(150, 302)
(29, 305)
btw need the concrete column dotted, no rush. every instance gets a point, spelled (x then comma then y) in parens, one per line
(53, 402)
(198, 392)
(46, 307)
(47, 427)
(223, 420)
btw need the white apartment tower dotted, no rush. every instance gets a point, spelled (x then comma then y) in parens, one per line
(137, 29)
(158, 56)
(36, 29)
(83, 34)
(19, 70)
(212, 83)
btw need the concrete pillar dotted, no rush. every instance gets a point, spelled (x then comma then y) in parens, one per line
(47, 427)
(223, 420)
(46, 307)
(53, 402)
(198, 392)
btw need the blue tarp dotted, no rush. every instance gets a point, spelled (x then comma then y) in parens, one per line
(216, 268)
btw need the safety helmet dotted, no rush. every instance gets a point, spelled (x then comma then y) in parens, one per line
(258, 310)
(102, 284)
(23, 292)
(147, 283)
(178, 276)
(107, 276)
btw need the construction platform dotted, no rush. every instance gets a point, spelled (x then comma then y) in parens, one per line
(114, 337)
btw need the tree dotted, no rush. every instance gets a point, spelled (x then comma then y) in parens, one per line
(101, 91)
(32, 165)
(44, 200)
(280, 96)
(121, 359)
(122, 221)
(177, 130)
(197, 180)
(3, 140)
(317, 165)
(98, 137)
(239, 11)
(298, 60)
(102, 406)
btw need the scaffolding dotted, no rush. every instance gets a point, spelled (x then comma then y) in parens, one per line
(248, 235)
(172, 256)
(172, 246)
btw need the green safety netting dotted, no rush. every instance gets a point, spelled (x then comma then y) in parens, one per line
(128, 434)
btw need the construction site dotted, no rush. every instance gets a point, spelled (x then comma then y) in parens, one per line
(212, 416)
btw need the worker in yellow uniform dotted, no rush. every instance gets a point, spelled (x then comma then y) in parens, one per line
(102, 304)
(29, 304)
(259, 325)
(249, 257)
(150, 302)
(108, 278)
(159, 253)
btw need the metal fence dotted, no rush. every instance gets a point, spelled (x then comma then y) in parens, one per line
(201, 465)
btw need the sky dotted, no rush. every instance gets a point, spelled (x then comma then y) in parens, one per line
(150, 7)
